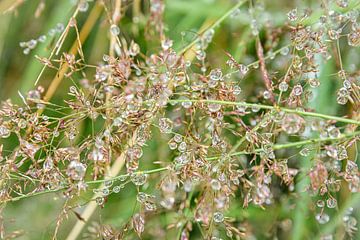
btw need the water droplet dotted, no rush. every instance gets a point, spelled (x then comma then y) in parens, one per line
(214, 107)
(216, 74)
(138, 178)
(100, 201)
(76, 170)
(118, 121)
(215, 184)
(83, 6)
(166, 44)
(4, 132)
(320, 203)
(182, 147)
(243, 69)
(60, 27)
(186, 104)
(134, 49)
(314, 83)
(285, 51)
(115, 30)
(218, 217)
(116, 189)
(297, 90)
(283, 86)
(237, 90)
(333, 131)
(32, 43)
(165, 125)
(331, 203)
(292, 123)
(322, 218)
(304, 152)
(42, 38)
(292, 15)
(26, 51)
(266, 94)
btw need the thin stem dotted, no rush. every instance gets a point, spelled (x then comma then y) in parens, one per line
(277, 108)
(157, 170)
(294, 144)
(213, 25)
(84, 33)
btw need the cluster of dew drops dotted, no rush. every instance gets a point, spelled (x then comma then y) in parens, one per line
(290, 123)
(28, 46)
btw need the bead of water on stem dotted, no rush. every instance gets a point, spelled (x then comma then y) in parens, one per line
(52, 32)
(283, 86)
(26, 51)
(243, 69)
(83, 6)
(266, 94)
(304, 152)
(214, 107)
(186, 104)
(218, 217)
(215, 184)
(172, 144)
(237, 90)
(139, 178)
(42, 38)
(322, 218)
(331, 203)
(320, 203)
(166, 44)
(32, 43)
(292, 15)
(115, 30)
(215, 74)
(4, 132)
(99, 201)
(285, 51)
(60, 27)
(297, 90)
(165, 125)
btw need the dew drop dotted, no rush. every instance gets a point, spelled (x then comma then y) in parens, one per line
(218, 217)
(115, 30)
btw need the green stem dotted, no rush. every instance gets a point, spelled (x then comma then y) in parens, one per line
(275, 147)
(294, 144)
(89, 182)
(215, 24)
(262, 106)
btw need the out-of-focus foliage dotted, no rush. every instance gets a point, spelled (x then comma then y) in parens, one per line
(179, 119)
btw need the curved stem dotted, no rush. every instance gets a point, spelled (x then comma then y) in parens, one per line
(277, 108)
(157, 170)
(294, 144)
(215, 24)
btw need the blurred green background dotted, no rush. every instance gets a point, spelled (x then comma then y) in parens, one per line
(183, 18)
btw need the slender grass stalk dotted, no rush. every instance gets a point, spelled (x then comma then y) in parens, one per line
(295, 144)
(213, 25)
(90, 208)
(157, 170)
(84, 33)
(119, 162)
(277, 108)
